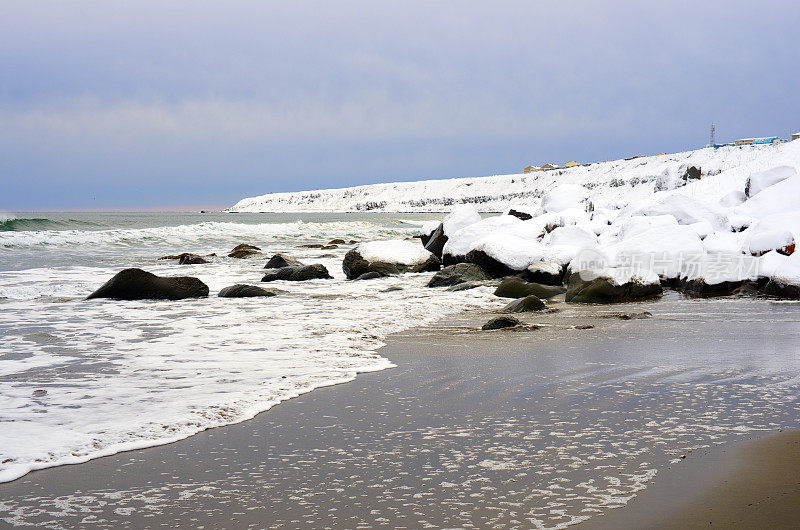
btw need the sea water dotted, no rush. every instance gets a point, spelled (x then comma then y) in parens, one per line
(81, 379)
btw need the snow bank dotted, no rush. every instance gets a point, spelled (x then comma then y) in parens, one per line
(712, 215)
(608, 185)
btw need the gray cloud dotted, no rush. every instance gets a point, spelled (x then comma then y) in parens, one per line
(136, 103)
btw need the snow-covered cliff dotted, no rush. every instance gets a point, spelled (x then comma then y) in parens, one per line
(611, 184)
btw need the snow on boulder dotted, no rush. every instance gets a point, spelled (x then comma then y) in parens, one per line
(785, 277)
(762, 241)
(565, 242)
(461, 242)
(665, 250)
(564, 197)
(778, 198)
(388, 257)
(764, 179)
(611, 285)
(686, 210)
(733, 198)
(722, 243)
(501, 254)
(638, 224)
(462, 216)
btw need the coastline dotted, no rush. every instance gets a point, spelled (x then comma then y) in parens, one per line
(751, 483)
(450, 437)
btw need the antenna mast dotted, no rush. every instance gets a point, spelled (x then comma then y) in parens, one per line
(713, 136)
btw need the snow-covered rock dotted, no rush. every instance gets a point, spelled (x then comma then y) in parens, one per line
(393, 256)
(764, 179)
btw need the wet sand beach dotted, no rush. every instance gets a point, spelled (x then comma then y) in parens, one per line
(526, 428)
(744, 484)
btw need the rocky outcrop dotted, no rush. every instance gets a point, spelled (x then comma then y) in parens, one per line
(136, 284)
(546, 273)
(700, 288)
(516, 287)
(458, 273)
(604, 290)
(282, 260)
(500, 323)
(354, 265)
(241, 290)
(520, 215)
(435, 241)
(297, 273)
(496, 268)
(244, 251)
(781, 289)
(187, 258)
(372, 275)
(524, 305)
(191, 259)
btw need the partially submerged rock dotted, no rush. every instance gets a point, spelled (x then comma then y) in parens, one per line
(516, 287)
(501, 323)
(191, 259)
(244, 250)
(372, 275)
(388, 258)
(241, 290)
(459, 273)
(136, 284)
(282, 260)
(186, 258)
(297, 273)
(469, 285)
(524, 305)
(585, 287)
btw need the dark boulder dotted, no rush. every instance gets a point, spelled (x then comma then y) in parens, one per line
(546, 273)
(516, 287)
(337, 242)
(241, 290)
(458, 273)
(297, 273)
(191, 259)
(520, 215)
(500, 323)
(243, 253)
(436, 241)
(372, 275)
(311, 245)
(496, 268)
(354, 265)
(282, 260)
(523, 305)
(465, 286)
(699, 287)
(186, 258)
(136, 284)
(244, 246)
(780, 289)
(602, 290)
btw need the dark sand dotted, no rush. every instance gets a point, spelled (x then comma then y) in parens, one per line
(745, 484)
(505, 429)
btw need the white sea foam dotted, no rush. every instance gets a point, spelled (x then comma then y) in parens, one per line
(81, 379)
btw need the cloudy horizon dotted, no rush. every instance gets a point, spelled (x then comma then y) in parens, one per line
(136, 105)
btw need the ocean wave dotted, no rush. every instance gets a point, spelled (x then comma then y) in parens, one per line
(208, 233)
(32, 224)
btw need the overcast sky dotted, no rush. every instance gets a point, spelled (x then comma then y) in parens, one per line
(148, 104)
